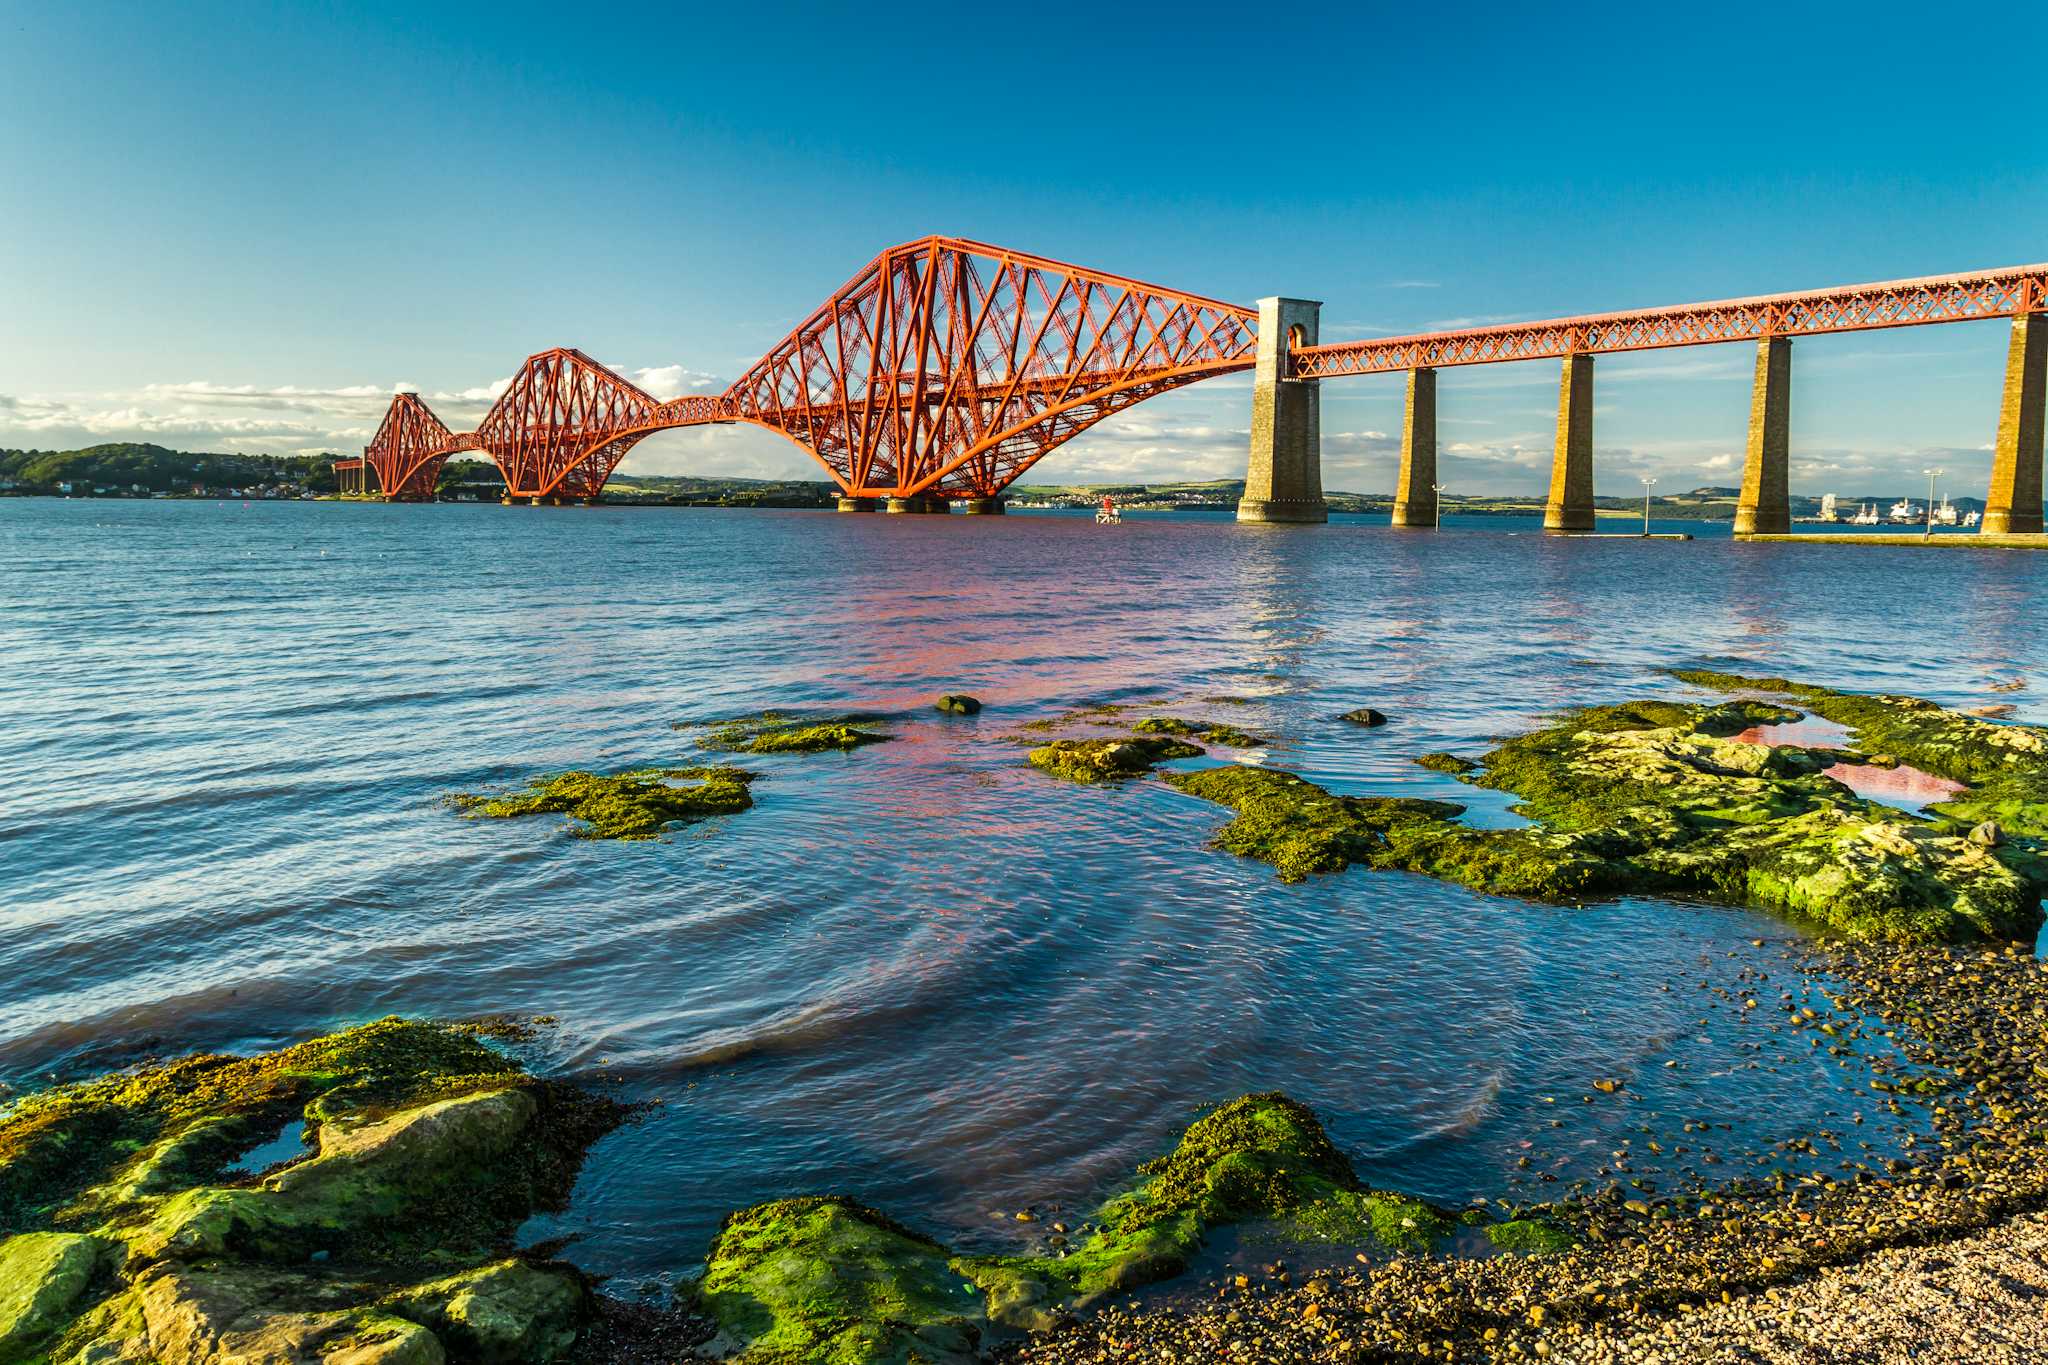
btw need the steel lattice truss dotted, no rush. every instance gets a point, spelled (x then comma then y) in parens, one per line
(950, 367)
(1852, 308)
(408, 450)
(943, 367)
(563, 425)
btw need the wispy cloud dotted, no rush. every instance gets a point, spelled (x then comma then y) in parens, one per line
(1353, 331)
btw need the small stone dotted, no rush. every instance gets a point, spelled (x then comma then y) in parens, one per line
(959, 704)
(1606, 1085)
(1988, 834)
(1366, 716)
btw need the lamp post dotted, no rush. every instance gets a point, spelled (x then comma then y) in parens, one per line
(1648, 484)
(1932, 475)
(1437, 500)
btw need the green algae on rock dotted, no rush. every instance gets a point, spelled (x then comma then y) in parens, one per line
(1657, 797)
(828, 1280)
(1370, 1218)
(1213, 732)
(1530, 1236)
(639, 804)
(779, 732)
(43, 1278)
(1099, 713)
(1108, 760)
(430, 1150)
(1261, 1158)
(959, 704)
(2005, 766)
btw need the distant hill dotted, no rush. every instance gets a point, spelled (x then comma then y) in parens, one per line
(127, 466)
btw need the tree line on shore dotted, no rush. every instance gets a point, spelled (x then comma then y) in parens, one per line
(131, 468)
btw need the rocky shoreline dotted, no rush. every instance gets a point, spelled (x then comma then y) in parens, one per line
(134, 1228)
(1641, 1267)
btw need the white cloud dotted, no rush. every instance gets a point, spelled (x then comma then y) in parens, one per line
(480, 394)
(673, 381)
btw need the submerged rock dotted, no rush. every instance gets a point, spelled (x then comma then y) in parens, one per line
(631, 805)
(1214, 732)
(1108, 760)
(1530, 1236)
(1365, 716)
(136, 1240)
(1656, 797)
(776, 732)
(959, 704)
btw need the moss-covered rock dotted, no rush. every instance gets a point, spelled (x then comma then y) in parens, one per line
(499, 1314)
(826, 1279)
(1659, 797)
(1370, 1218)
(180, 1315)
(44, 1276)
(779, 732)
(357, 1193)
(1108, 760)
(1261, 1158)
(638, 804)
(829, 1281)
(1211, 731)
(139, 1240)
(2005, 766)
(959, 704)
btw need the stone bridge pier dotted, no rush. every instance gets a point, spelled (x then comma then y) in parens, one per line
(1284, 480)
(2013, 506)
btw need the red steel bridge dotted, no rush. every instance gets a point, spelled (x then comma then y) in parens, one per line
(946, 368)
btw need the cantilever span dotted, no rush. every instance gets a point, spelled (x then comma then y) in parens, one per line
(946, 368)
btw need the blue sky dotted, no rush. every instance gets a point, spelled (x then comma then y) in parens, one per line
(239, 227)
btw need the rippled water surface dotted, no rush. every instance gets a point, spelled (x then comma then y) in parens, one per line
(920, 973)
